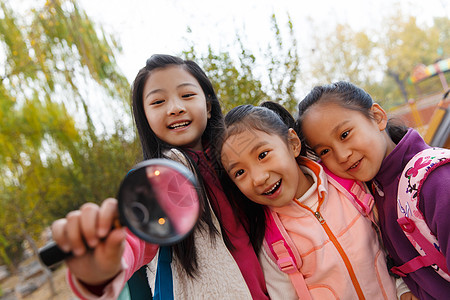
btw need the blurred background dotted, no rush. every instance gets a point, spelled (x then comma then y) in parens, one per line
(66, 67)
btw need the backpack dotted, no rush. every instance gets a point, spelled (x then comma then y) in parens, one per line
(281, 248)
(411, 219)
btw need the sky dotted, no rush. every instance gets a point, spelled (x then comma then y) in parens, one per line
(145, 27)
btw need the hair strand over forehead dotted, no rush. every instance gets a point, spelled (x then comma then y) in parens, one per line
(245, 117)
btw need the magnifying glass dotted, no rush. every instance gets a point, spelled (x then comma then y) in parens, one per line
(158, 200)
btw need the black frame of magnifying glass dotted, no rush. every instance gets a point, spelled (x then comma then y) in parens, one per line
(166, 241)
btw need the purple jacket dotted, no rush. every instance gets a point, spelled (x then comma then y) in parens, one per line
(434, 203)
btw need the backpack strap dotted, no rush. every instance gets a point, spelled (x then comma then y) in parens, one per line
(411, 219)
(282, 249)
(137, 286)
(362, 200)
(164, 280)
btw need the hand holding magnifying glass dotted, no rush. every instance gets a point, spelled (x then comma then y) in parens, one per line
(158, 201)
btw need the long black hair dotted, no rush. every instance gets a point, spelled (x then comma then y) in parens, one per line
(154, 147)
(269, 117)
(348, 96)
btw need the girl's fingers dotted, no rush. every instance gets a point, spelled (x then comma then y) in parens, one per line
(108, 253)
(114, 245)
(59, 234)
(74, 233)
(88, 223)
(88, 227)
(108, 213)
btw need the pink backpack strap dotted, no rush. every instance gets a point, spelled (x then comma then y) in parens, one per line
(362, 199)
(411, 219)
(282, 249)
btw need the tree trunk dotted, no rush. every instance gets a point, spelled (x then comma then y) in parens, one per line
(400, 84)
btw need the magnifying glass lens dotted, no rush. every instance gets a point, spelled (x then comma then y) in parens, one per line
(159, 201)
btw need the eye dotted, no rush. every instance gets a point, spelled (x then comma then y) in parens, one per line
(345, 134)
(156, 102)
(263, 154)
(188, 95)
(323, 152)
(238, 173)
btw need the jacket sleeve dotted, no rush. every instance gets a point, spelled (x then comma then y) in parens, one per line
(137, 253)
(435, 206)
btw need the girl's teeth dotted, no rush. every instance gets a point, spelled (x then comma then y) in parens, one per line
(355, 165)
(276, 185)
(178, 125)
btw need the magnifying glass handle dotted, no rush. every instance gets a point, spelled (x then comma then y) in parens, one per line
(51, 254)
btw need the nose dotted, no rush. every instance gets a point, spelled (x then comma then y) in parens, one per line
(342, 154)
(260, 177)
(176, 106)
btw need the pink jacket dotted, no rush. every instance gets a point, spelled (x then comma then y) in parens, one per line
(341, 252)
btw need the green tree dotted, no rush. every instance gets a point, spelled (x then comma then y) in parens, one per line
(54, 155)
(234, 82)
(283, 65)
(442, 25)
(379, 61)
(238, 82)
(344, 54)
(405, 45)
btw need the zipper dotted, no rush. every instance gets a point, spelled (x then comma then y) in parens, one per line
(330, 234)
(341, 253)
(377, 187)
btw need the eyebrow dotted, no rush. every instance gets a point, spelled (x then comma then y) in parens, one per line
(231, 166)
(333, 131)
(256, 146)
(159, 90)
(253, 149)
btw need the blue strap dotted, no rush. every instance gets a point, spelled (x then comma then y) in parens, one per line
(163, 283)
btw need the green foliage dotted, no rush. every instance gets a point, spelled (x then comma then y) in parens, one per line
(234, 84)
(442, 25)
(238, 81)
(53, 160)
(344, 54)
(380, 61)
(284, 66)
(406, 45)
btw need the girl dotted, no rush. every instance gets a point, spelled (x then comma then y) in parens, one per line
(178, 116)
(340, 252)
(353, 138)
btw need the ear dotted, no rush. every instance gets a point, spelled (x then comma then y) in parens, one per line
(208, 109)
(294, 142)
(379, 115)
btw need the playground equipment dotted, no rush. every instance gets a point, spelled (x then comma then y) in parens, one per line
(422, 72)
(430, 112)
(438, 131)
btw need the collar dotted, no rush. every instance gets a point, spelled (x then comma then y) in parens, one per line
(319, 187)
(320, 184)
(393, 164)
(197, 154)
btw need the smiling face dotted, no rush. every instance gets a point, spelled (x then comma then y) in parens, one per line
(175, 107)
(349, 143)
(264, 168)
